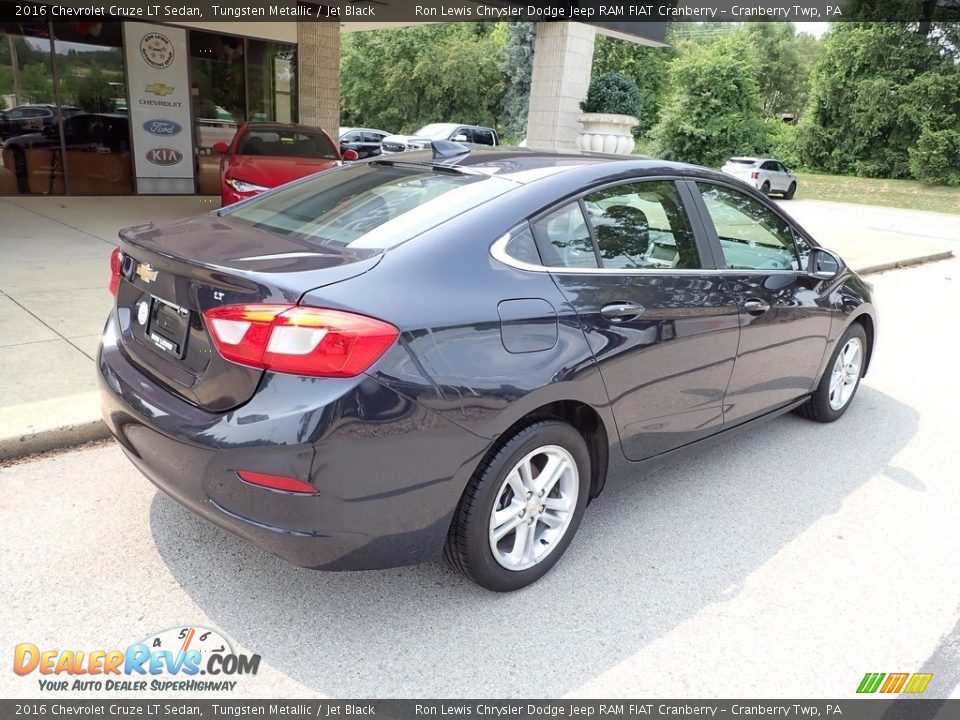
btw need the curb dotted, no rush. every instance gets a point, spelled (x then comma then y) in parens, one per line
(909, 262)
(58, 438)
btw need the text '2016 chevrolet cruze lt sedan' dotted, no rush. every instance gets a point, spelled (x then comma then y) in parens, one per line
(453, 352)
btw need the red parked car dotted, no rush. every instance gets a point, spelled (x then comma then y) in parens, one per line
(264, 155)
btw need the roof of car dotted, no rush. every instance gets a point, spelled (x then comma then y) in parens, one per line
(345, 130)
(526, 165)
(752, 159)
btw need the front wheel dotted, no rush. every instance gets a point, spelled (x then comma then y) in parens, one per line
(841, 379)
(522, 507)
(791, 191)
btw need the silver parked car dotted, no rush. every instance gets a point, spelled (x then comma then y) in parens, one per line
(765, 174)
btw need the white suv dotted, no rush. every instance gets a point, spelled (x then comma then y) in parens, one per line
(765, 174)
(440, 131)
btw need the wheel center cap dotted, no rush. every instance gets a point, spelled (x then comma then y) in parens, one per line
(533, 505)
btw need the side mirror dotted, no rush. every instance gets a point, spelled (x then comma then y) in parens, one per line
(221, 148)
(350, 155)
(459, 138)
(823, 264)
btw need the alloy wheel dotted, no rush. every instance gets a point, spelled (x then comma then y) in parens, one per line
(534, 507)
(845, 373)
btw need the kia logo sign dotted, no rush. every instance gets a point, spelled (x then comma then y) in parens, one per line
(162, 127)
(164, 156)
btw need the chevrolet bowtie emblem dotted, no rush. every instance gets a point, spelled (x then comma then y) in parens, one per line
(146, 273)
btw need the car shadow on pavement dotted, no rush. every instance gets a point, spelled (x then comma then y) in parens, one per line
(649, 555)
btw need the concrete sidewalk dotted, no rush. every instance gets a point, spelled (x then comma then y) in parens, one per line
(54, 299)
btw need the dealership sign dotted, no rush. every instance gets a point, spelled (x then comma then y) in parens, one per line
(162, 127)
(157, 76)
(164, 156)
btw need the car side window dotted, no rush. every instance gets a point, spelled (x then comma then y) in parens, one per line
(521, 246)
(563, 239)
(768, 166)
(483, 137)
(642, 225)
(752, 236)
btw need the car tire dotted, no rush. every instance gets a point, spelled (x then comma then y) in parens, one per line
(505, 534)
(765, 188)
(840, 380)
(791, 191)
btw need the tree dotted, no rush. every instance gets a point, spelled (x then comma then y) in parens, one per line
(785, 60)
(94, 94)
(863, 116)
(401, 79)
(713, 109)
(517, 66)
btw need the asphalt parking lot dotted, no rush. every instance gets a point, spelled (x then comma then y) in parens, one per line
(785, 564)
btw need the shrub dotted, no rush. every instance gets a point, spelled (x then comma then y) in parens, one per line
(613, 93)
(935, 159)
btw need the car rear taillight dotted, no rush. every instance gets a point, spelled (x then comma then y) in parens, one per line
(755, 175)
(277, 482)
(299, 340)
(116, 260)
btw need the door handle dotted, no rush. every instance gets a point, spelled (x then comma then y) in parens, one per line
(621, 311)
(755, 306)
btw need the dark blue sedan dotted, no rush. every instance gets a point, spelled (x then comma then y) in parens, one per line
(453, 352)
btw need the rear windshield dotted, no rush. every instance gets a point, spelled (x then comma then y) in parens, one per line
(286, 143)
(741, 161)
(369, 205)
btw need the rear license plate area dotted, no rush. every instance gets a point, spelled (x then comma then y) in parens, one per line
(168, 327)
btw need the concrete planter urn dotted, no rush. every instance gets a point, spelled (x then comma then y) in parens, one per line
(607, 133)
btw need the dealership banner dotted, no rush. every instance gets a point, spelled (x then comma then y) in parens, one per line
(159, 107)
(487, 709)
(610, 16)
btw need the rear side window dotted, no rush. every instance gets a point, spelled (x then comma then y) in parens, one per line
(752, 236)
(563, 239)
(642, 226)
(368, 205)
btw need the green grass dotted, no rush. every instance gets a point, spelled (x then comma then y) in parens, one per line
(907, 194)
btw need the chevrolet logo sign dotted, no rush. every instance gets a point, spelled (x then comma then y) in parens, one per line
(146, 273)
(159, 89)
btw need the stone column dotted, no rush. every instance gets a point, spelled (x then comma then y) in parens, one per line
(318, 75)
(562, 59)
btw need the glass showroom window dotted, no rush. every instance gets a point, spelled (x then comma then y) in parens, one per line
(63, 110)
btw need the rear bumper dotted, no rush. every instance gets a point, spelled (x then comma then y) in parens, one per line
(389, 472)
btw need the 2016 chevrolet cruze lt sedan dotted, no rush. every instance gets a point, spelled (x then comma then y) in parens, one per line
(453, 352)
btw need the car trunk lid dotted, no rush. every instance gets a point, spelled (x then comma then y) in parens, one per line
(172, 273)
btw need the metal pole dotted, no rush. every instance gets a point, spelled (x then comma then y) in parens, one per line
(56, 96)
(15, 63)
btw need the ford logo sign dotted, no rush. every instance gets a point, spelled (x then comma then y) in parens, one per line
(162, 127)
(164, 156)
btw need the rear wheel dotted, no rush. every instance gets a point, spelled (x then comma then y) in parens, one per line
(841, 379)
(765, 188)
(791, 191)
(522, 507)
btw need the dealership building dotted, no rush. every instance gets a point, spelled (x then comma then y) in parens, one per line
(145, 102)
